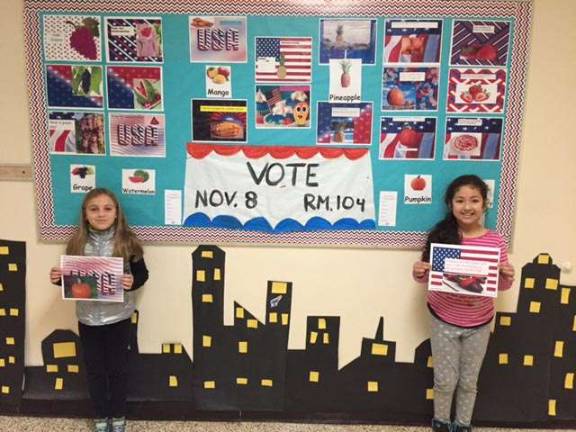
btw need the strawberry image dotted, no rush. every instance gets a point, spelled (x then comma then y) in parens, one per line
(475, 89)
(466, 97)
(487, 52)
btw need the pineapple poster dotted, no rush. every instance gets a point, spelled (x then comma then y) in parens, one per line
(148, 91)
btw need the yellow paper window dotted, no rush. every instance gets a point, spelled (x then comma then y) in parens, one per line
(314, 376)
(206, 341)
(559, 349)
(379, 349)
(565, 296)
(279, 288)
(543, 259)
(173, 381)
(372, 386)
(551, 284)
(569, 381)
(552, 407)
(242, 347)
(252, 323)
(313, 337)
(529, 283)
(64, 349)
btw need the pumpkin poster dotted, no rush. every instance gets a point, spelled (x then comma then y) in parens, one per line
(92, 278)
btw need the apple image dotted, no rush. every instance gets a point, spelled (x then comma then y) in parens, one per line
(418, 183)
(409, 137)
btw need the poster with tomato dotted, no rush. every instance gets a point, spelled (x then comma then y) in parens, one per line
(407, 137)
(88, 278)
(469, 138)
(480, 43)
(476, 90)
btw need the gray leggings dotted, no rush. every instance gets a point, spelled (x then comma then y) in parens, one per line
(457, 355)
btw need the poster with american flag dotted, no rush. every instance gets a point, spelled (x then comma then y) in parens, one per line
(468, 270)
(283, 59)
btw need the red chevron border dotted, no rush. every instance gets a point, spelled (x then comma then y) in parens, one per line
(520, 11)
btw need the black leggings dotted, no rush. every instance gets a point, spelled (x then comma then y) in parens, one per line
(106, 357)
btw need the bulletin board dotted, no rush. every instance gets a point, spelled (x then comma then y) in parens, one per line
(321, 123)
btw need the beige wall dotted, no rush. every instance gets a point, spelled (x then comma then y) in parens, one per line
(357, 285)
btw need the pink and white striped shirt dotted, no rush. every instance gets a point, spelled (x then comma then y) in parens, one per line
(465, 310)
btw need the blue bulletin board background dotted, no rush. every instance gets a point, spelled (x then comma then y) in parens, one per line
(184, 81)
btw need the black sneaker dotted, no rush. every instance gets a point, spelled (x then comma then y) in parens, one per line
(440, 426)
(461, 428)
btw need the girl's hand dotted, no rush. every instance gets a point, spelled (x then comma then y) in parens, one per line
(55, 275)
(127, 281)
(506, 271)
(420, 270)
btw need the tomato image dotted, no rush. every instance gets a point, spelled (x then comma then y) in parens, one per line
(79, 287)
(418, 183)
(81, 290)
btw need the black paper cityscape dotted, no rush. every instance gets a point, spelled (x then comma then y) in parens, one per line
(527, 377)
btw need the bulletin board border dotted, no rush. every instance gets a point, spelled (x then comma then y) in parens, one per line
(519, 10)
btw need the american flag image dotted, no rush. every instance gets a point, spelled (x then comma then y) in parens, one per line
(296, 54)
(440, 253)
(275, 97)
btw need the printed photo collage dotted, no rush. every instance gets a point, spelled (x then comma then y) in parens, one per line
(80, 84)
(105, 90)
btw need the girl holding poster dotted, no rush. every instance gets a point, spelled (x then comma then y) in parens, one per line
(460, 324)
(104, 327)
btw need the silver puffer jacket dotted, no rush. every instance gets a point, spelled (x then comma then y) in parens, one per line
(97, 313)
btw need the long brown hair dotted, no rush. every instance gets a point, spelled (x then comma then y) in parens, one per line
(446, 231)
(126, 244)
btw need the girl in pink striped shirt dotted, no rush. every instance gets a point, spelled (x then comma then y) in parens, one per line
(460, 324)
